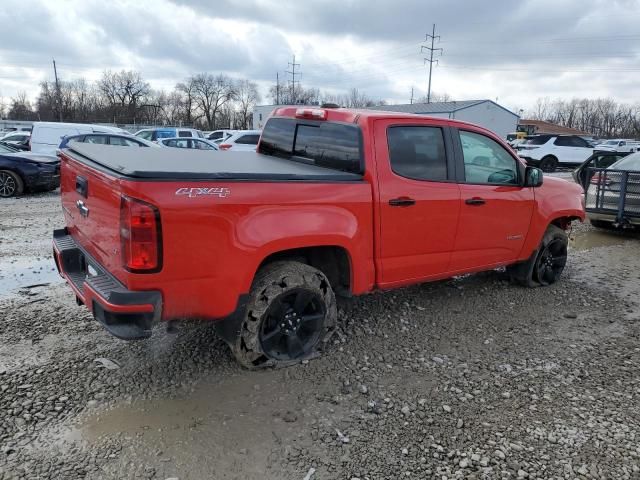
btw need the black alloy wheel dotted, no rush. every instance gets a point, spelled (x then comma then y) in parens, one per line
(551, 262)
(292, 325)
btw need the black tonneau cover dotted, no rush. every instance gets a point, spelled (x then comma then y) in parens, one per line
(175, 163)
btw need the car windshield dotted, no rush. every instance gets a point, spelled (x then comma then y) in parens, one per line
(632, 162)
(611, 142)
(7, 149)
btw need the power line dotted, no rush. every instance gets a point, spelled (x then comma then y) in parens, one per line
(292, 72)
(59, 97)
(431, 49)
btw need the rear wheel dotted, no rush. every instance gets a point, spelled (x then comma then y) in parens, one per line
(546, 266)
(291, 312)
(10, 184)
(549, 164)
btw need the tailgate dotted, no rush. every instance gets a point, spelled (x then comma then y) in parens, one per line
(91, 205)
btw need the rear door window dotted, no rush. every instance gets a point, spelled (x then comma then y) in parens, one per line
(417, 152)
(98, 139)
(124, 142)
(325, 144)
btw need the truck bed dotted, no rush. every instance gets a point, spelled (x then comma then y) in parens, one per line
(183, 164)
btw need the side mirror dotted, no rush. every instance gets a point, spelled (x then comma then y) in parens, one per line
(532, 177)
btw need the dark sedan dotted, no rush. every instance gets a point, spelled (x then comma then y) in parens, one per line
(22, 172)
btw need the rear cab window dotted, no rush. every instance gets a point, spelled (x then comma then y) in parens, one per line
(333, 145)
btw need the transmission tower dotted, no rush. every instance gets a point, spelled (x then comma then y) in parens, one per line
(292, 65)
(430, 60)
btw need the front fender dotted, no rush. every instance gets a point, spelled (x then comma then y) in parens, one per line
(555, 199)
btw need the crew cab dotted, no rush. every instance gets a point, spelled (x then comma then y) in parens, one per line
(334, 202)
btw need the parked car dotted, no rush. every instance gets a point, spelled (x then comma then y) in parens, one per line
(618, 145)
(107, 139)
(192, 143)
(241, 141)
(599, 159)
(46, 136)
(22, 172)
(550, 151)
(220, 135)
(335, 201)
(155, 134)
(19, 140)
(612, 199)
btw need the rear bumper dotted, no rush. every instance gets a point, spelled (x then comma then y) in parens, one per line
(126, 314)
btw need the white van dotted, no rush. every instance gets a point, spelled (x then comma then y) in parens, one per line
(46, 136)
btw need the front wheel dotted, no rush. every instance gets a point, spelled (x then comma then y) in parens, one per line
(546, 266)
(291, 312)
(10, 184)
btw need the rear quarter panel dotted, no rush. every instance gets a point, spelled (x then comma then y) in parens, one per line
(213, 245)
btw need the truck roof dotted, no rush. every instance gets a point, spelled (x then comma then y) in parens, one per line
(184, 164)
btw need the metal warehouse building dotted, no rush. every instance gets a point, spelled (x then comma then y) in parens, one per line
(485, 113)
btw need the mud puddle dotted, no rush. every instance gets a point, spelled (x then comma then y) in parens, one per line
(20, 272)
(597, 239)
(228, 425)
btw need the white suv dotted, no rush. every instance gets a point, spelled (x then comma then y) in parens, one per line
(550, 151)
(242, 141)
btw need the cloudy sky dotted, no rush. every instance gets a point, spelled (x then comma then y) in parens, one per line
(515, 51)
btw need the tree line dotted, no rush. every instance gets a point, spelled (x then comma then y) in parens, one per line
(601, 117)
(205, 100)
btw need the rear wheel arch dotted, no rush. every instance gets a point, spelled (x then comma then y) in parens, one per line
(332, 260)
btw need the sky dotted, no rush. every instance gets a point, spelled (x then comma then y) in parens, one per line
(512, 51)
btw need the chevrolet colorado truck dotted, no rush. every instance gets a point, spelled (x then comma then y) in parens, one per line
(334, 202)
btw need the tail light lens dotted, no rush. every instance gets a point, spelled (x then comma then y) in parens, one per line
(225, 146)
(599, 178)
(140, 236)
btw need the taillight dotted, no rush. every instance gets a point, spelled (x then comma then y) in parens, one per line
(600, 178)
(225, 146)
(140, 236)
(313, 113)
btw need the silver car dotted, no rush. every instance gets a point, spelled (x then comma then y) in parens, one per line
(190, 143)
(612, 198)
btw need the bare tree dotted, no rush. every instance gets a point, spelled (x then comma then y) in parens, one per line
(247, 96)
(210, 94)
(124, 91)
(20, 108)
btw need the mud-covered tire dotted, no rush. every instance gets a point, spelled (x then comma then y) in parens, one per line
(547, 263)
(549, 164)
(11, 184)
(278, 288)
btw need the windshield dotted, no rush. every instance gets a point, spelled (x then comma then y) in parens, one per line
(6, 149)
(611, 142)
(632, 162)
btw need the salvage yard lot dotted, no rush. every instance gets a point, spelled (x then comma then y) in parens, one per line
(466, 378)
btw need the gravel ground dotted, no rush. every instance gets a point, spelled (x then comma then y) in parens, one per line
(466, 378)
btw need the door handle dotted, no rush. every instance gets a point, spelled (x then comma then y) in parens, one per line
(476, 201)
(82, 208)
(402, 202)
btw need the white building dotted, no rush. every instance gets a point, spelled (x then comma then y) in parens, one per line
(262, 112)
(486, 113)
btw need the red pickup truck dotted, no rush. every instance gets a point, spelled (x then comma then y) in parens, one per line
(334, 202)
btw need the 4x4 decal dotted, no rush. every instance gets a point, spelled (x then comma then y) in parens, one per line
(200, 191)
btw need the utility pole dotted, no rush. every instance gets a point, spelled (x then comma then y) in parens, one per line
(411, 102)
(292, 72)
(431, 61)
(59, 99)
(277, 88)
